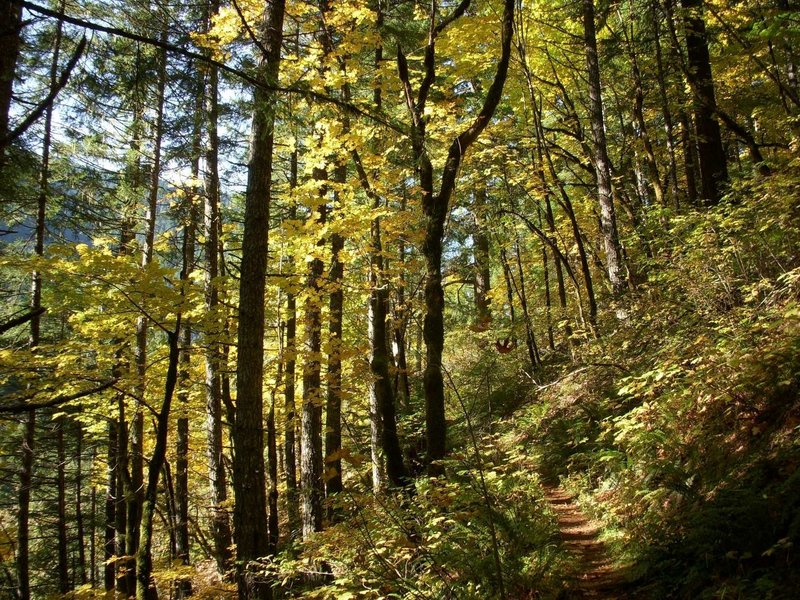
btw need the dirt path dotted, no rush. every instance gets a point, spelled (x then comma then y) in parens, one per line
(597, 577)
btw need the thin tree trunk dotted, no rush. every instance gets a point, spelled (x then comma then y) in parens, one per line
(184, 586)
(638, 113)
(61, 509)
(23, 512)
(480, 245)
(602, 164)
(93, 570)
(290, 414)
(530, 338)
(272, 473)
(109, 566)
(566, 204)
(669, 126)
(218, 486)
(10, 26)
(123, 487)
(145, 586)
(9, 29)
(333, 406)
(135, 497)
(548, 301)
(311, 460)
(79, 525)
(382, 403)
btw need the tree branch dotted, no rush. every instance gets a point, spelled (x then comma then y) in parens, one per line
(199, 56)
(60, 399)
(493, 96)
(49, 99)
(21, 319)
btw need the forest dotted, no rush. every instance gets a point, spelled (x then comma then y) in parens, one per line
(457, 299)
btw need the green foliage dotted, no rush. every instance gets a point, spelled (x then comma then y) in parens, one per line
(439, 541)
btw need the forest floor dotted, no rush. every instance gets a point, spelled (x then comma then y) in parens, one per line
(596, 575)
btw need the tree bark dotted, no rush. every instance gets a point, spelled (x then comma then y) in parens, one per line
(480, 245)
(183, 587)
(23, 512)
(251, 528)
(333, 405)
(713, 162)
(79, 525)
(290, 409)
(145, 587)
(110, 508)
(135, 493)
(669, 127)
(311, 460)
(381, 384)
(435, 209)
(10, 27)
(61, 509)
(602, 164)
(218, 485)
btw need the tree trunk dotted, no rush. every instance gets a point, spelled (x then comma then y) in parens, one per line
(290, 414)
(250, 523)
(218, 486)
(602, 164)
(381, 385)
(566, 204)
(669, 126)
(109, 567)
(713, 162)
(79, 526)
(530, 338)
(311, 463)
(183, 586)
(435, 208)
(333, 407)
(10, 26)
(135, 495)
(480, 245)
(24, 504)
(145, 587)
(272, 473)
(61, 509)
(638, 113)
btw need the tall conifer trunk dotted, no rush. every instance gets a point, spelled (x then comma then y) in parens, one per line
(290, 409)
(713, 162)
(218, 485)
(251, 529)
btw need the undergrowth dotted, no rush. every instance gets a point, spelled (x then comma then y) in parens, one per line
(683, 436)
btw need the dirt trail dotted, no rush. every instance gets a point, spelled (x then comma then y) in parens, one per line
(597, 577)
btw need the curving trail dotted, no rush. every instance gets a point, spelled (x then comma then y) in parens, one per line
(597, 577)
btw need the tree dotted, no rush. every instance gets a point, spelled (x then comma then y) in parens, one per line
(435, 207)
(713, 162)
(249, 482)
(602, 164)
(10, 26)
